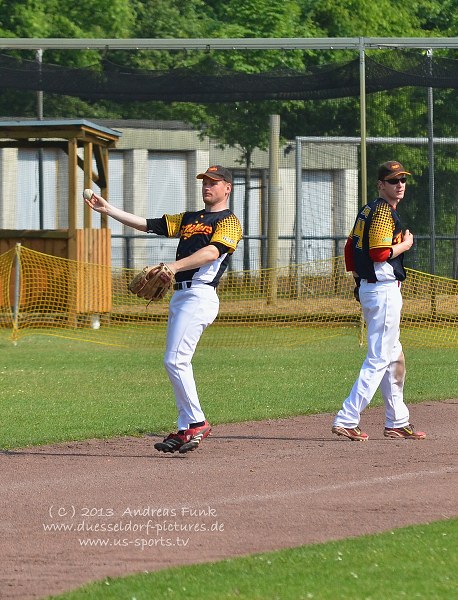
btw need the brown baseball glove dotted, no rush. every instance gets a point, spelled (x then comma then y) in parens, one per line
(152, 283)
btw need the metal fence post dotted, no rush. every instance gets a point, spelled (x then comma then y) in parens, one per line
(17, 292)
(432, 205)
(272, 243)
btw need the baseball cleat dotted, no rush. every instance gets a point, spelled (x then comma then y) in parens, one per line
(184, 441)
(354, 434)
(408, 432)
(195, 436)
(171, 443)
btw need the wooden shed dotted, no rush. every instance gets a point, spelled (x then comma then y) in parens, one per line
(87, 245)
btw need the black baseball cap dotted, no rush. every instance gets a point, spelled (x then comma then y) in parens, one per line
(218, 173)
(390, 169)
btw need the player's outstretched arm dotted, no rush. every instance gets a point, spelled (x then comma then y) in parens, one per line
(102, 206)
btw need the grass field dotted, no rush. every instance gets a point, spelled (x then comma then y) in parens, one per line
(58, 390)
(415, 562)
(55, 389)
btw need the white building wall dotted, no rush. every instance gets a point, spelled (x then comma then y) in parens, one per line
(8, 189)
(153, 171)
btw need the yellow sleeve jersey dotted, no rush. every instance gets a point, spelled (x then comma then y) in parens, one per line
(377, 227)
(196, 230)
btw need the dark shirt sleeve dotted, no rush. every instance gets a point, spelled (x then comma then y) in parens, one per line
(349, 256)
(222, 249)
(157, 226)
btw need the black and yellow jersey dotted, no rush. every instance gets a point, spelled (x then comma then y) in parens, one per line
(197, 230)
(377, 226)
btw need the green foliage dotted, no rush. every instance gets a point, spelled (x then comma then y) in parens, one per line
(243, 124)
(340, 18)
(60, 19)
(259, 18)
(441, 17)
(171, 19)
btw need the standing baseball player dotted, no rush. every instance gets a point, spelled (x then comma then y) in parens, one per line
(374, 252)
(207, 238)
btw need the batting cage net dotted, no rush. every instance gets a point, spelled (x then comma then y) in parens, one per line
(162, 117)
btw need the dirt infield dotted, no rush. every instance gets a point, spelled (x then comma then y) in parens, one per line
(78, 512)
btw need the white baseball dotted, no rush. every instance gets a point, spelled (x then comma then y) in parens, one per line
(87, 194)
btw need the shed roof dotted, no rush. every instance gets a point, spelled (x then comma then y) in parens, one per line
(81, 129)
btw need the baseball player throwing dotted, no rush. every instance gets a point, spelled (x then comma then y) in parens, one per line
(207, 238)
(374, 252)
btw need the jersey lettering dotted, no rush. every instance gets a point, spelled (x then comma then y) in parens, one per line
(195, 229)
(358, 232)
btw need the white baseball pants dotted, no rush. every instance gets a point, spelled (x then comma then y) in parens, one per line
(190, 312)
(384, 364)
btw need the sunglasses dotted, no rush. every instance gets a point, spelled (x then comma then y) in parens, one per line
(396, 181)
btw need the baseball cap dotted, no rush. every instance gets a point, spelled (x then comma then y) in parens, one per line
(216, 172)
(392, 168)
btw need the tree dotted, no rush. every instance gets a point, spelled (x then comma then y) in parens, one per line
(62, 19)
